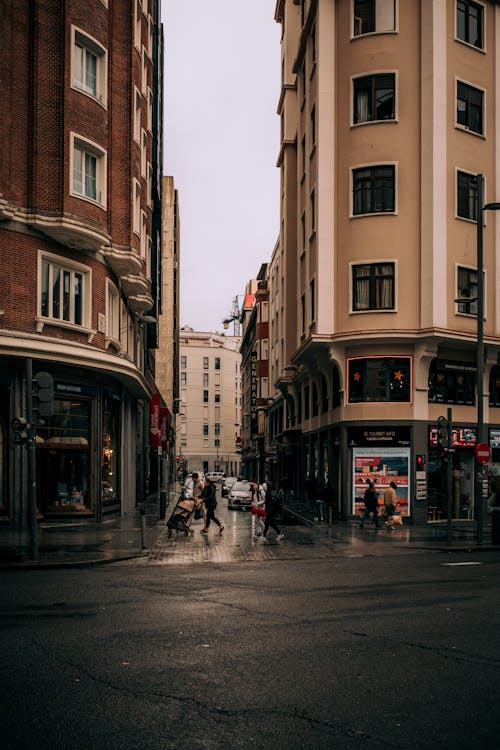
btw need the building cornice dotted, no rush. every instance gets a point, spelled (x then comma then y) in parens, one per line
(49, 349)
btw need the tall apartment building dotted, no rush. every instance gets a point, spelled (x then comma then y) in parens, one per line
(80, 237)
(389, 110)
(209, 419)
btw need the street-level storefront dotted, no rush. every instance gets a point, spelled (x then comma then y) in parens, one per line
(90, 454)
(65, 443)
(381, 454)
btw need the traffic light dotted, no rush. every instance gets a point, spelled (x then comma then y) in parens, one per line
(420, 462)
(43, 394)
(442, 432)
(20, 429)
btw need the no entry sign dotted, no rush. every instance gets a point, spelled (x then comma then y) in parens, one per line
(482, 453)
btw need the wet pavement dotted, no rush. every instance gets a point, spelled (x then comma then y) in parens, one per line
(145, 539)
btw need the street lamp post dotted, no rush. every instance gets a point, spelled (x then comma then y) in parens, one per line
(480, 431)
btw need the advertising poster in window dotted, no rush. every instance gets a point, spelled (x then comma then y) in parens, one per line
(382, 466)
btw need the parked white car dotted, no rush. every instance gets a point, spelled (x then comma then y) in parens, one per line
(215, 476)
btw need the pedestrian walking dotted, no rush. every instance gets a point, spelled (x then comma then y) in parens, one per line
(330, 500)
(258, 507)
(390, 504)
(272, 507)
(193, 486)
(209, 497)
(319, 501)
(371, 505)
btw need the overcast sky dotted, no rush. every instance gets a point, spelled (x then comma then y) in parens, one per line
(221, 141)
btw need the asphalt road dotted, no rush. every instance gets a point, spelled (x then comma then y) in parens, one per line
(366, 653)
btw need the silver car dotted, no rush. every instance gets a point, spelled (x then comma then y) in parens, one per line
(227, 484)
(240, 496)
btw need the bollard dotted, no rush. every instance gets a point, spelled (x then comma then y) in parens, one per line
(143, 527)
(495, 526)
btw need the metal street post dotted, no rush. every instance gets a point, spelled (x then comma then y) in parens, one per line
(480, 431)
(31, 459)
(449, 489)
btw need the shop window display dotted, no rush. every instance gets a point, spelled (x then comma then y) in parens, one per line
(63, 459)
(109, 454)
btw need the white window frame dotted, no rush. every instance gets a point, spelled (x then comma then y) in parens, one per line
(372, 74)
(264, 348)
(264, 387)
(265, 312)
(138, 25)
(372, 33)
(82, 39)
(149, 255)
(465, 128)
(144, 153)
(150, 110)
(137, 110)
(64, 264)
(373, 262)
(150, 37)
(368, 165)
(467, 267)
(149, 182)
(136, 202)
(144, 234)
(144, 71)
(78, 142)
(484, 20)
(112, 314)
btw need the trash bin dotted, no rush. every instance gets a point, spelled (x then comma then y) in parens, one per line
(495, 526)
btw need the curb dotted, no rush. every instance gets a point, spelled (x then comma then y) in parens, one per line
(54, 564)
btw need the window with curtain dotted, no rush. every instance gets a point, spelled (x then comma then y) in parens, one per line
(373, 286)
(373, 189)
(374, 98)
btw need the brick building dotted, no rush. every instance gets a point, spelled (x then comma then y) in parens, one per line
(80, 231)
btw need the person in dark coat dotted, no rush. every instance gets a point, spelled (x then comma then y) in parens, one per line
(371, 505)
(209, 497)
(272, 507)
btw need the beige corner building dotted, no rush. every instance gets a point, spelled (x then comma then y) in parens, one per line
(389, 111)
(209, 419)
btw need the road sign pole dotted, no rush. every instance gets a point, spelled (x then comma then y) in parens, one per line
(31, 460)
(449, 455)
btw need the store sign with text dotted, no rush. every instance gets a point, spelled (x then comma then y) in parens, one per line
(378, 436)
(461, 437)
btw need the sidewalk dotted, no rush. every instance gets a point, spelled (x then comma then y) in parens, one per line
(81, 544)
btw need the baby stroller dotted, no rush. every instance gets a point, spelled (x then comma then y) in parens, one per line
(181, 517)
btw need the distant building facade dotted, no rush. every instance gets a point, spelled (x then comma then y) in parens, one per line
(209, 419)
(80, 249)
